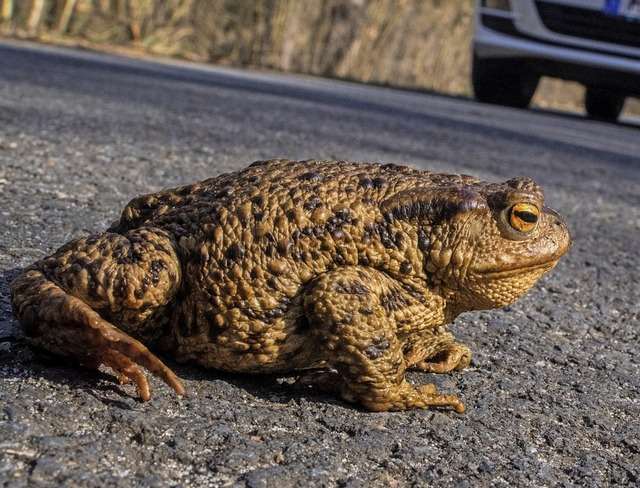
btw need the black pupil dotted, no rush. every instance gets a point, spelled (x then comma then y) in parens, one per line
(525, 216)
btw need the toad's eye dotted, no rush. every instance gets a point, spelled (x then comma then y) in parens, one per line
(523, 217)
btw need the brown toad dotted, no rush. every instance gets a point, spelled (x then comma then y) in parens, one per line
(285, 266)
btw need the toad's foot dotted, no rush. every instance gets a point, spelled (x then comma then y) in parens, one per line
(452, 356)
(401, 397)
(65, 325)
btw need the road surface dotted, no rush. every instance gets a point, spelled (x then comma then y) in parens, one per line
(552, 395)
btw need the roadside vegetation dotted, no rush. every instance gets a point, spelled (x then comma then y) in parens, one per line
(423, 44)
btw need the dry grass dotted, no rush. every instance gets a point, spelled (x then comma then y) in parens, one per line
(418, 43)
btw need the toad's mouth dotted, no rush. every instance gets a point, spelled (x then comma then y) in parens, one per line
(511, 265)
(535, 268)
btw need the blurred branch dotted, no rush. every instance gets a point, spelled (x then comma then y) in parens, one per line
(35, 15)
(7, 9)
(65, 16)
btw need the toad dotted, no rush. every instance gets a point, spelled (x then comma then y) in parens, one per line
(349, 270)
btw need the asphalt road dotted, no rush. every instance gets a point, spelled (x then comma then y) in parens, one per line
(552, 395)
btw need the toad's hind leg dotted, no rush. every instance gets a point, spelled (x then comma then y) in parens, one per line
(61, 302)
(357, 337)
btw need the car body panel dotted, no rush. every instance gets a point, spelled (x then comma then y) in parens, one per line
(592, 42)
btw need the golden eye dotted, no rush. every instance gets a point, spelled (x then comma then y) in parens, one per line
(523, 217)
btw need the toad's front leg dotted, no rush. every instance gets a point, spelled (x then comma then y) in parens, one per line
(357, 336)
(62, 302)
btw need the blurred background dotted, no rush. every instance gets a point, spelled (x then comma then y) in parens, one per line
(423, 44)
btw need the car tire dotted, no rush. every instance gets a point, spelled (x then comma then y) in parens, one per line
(503, 82)
(603, 103)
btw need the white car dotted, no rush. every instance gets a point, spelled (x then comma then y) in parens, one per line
(593, 42)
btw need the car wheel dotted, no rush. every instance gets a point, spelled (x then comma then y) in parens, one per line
(503, 82)
(603, 103)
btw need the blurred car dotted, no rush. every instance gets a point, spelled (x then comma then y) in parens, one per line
(593, 42)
